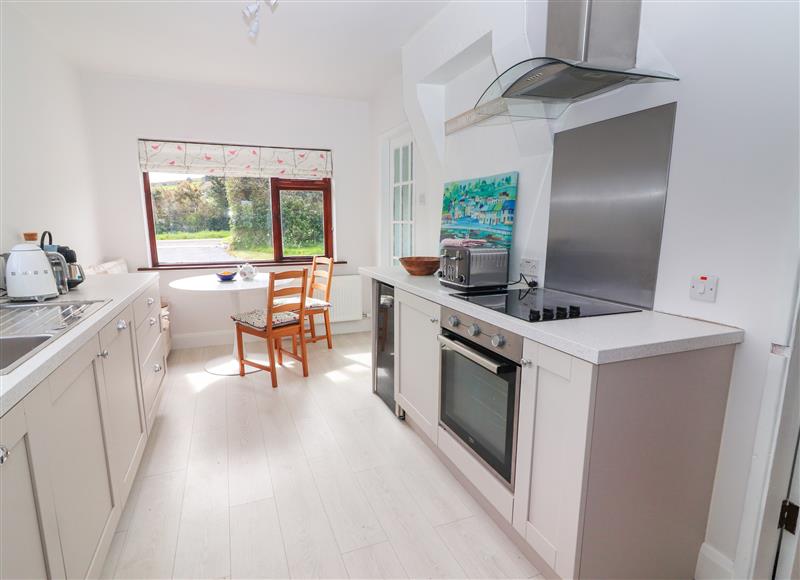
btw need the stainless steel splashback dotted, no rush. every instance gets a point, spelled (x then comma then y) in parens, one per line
(607, 202)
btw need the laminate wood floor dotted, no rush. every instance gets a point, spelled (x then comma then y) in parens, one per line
(314, 479)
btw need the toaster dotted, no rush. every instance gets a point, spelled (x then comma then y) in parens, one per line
(473, 268)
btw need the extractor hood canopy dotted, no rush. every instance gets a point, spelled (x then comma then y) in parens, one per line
(591, 49)
(543, 88)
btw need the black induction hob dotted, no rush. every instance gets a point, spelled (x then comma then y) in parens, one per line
(538, 304)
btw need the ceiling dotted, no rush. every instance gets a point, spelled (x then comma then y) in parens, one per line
(332, 48)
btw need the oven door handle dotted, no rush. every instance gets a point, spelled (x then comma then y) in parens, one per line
(471, 354)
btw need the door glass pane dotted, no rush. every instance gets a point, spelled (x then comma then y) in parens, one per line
(406, 240)
(406, 202)
(396, 165)
(411, 161)
(398, 200)
(396, 236)
(302, 223)
(406, 162)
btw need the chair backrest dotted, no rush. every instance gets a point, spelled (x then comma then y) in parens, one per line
(287, 292)
(321, 279)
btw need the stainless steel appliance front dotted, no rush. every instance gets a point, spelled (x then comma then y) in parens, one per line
(471, 268)
(607, 202)
(479, 406)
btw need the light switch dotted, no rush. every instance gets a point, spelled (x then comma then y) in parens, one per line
(704, 288)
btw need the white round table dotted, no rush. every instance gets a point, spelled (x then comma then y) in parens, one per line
(226, 365)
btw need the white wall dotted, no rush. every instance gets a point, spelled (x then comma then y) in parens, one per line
(732, 206)
(121, 110)
(46, 179)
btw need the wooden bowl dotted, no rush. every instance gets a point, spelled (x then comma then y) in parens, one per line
(420, 265)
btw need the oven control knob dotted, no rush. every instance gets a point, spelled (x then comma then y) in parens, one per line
(461, 278)
(561, 312)
(534, 315)
(474, 330)
(547, 314)
(574, 311)
(453, 320)
(498, 340)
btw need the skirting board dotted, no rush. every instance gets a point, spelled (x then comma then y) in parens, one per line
(219, 337)
(713, 564)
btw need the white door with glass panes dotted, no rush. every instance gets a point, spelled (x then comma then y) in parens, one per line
(401, 197)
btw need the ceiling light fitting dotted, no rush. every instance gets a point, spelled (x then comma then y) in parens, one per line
(252, 15)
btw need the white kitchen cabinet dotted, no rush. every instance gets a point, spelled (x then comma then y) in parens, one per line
(28, 525)
(555, 397)
(417, 360)
(616, 462)
(66, 414)
(125, 424)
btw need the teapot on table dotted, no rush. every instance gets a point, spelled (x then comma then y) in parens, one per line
(247, 271)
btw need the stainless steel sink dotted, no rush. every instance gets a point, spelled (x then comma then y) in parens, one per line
(14, 348)
(25, 329)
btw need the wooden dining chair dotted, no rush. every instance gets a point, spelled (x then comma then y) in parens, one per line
(320, 280)
(284, 316)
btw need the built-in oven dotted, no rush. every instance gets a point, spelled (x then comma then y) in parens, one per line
(480, 374)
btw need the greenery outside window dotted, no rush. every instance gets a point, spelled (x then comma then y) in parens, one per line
(201, 219)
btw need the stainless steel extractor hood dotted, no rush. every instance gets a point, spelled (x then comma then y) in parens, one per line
(591, 49)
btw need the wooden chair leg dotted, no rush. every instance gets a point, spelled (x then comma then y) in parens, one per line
(304, 351)
(279, 351)
(311, 327)
(294, 344)
(273, 369)
(240, 349)
(327, 316)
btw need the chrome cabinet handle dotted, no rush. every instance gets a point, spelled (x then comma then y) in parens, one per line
(150, 301)
(153, 321)
(4, 453)
(525, 362)
(122, 324)
(103, 353)
(434, 320)
(156, 368)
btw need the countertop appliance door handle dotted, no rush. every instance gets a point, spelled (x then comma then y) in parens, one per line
(470, 354)
(4, 453)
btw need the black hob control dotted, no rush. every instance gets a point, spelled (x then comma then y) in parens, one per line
(547, 314)
(574, 311)
(561, 312)
(534, 315)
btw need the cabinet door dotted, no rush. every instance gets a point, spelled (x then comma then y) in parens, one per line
(125, 427)
(417, 360)
(552, 454)
(66, 412)
(27, 521)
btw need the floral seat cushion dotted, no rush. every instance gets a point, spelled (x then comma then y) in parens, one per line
(310, 302)
(258, 318)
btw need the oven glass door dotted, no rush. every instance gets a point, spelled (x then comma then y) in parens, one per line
(479, 402)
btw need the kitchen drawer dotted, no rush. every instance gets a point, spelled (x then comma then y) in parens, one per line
(153, 371)
(147, 334)
(147, 305)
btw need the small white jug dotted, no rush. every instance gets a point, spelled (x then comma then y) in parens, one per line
(247, 271)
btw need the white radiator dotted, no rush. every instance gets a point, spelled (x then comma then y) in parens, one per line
(346, 302)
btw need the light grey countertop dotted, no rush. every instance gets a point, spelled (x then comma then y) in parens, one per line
(598, 340)
(118, 289)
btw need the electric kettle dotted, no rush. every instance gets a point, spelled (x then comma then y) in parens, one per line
(29, 275)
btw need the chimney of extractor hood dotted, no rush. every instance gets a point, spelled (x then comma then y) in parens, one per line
(599, 32)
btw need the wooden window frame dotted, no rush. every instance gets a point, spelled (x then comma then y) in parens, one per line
(276, 185)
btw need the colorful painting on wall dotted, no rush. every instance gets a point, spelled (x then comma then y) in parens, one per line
(479, 212)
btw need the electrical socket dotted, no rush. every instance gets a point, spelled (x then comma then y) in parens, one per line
(529, 267)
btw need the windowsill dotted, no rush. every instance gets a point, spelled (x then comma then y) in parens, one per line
(228, 265)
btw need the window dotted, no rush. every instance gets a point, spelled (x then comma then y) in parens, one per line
(402, 200)
(203, 219)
